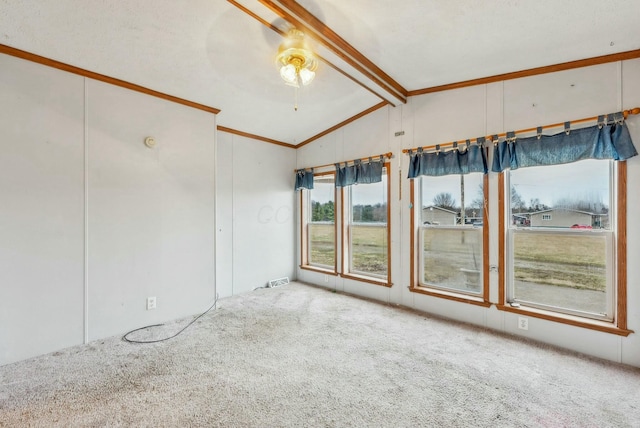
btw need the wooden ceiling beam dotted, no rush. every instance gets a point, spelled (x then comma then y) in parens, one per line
(320, 58)
(302, 19)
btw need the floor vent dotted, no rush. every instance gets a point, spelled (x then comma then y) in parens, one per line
(278, 282)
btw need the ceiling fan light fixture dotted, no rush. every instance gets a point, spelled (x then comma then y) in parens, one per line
(296, 59)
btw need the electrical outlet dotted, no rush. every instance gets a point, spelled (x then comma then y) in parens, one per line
(523, 323)
(326, 278)
(151, 303)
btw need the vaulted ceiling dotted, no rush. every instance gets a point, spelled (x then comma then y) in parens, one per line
(221, 53)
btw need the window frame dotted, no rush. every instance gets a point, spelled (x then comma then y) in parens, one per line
(618, 325)
(481, 298)
(305, 211)
(345, 258)
(609, 237)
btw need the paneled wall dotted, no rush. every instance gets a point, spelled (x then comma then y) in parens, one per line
(41, 209)
(477, 111)
(255, 214)
(92, 222)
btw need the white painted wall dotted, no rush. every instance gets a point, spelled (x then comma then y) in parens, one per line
(478, 111)
(149, 212)
(255, 214)
(41, 209)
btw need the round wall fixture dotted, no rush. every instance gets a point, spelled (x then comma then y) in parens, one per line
(150, 142)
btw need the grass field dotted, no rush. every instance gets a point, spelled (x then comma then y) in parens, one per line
(451, 257)
(369, 247)
(322, 241)
(576, 261)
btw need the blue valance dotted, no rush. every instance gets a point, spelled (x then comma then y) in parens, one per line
(611, 141)
(304, 179)
(360, 172)
(457, 161)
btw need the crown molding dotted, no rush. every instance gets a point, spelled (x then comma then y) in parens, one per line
(254, 136)
(531, 72)
(341, 124)
(8, 50)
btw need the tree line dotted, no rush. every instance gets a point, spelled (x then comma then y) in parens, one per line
(360, 213)
(588, 202)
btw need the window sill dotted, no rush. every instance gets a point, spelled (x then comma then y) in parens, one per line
(319, 270)
(368, 279)
(576, 321)
(450, 295)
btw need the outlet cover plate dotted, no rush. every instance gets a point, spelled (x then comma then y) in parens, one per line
(523, 323)
(151, 303)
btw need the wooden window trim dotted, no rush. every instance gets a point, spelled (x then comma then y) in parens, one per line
(367, 279)
(414, 284)
(304, 256)
(319, 270)
(619, 325)
(346, 239)
(576, 321)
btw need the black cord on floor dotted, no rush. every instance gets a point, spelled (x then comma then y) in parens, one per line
(126, 339)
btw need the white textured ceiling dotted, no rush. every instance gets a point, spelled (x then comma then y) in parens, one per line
(212, 53)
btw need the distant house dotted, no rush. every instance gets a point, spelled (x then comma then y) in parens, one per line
(563, 218)
(439, 216)
(520, 219)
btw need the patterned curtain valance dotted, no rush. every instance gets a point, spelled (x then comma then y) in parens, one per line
(602, 141)
(304, 179)
(470, 158)
(360, 172)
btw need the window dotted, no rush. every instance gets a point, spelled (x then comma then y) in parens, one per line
(562, 258)
(318, 223)
(366, 230)
(450, 212)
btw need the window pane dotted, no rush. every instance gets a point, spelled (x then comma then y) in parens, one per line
(368, 246)
(451, 232)
(562, 196)
(452, 200)
(322, 244)
(452, 257)
(321, 222)
(565, 270)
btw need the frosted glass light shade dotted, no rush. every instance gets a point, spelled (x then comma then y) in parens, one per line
(288, 74)
(306, 76)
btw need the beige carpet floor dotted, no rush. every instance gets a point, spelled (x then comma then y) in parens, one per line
(301, 356)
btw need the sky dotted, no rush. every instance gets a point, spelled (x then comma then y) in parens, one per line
(587, 179)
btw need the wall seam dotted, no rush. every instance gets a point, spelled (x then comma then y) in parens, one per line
(215, 208)
(86, 212)
(233, 223)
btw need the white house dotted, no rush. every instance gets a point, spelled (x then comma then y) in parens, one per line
(438, 216)
(562, 218)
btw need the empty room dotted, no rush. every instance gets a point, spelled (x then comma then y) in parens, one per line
(270, 213)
